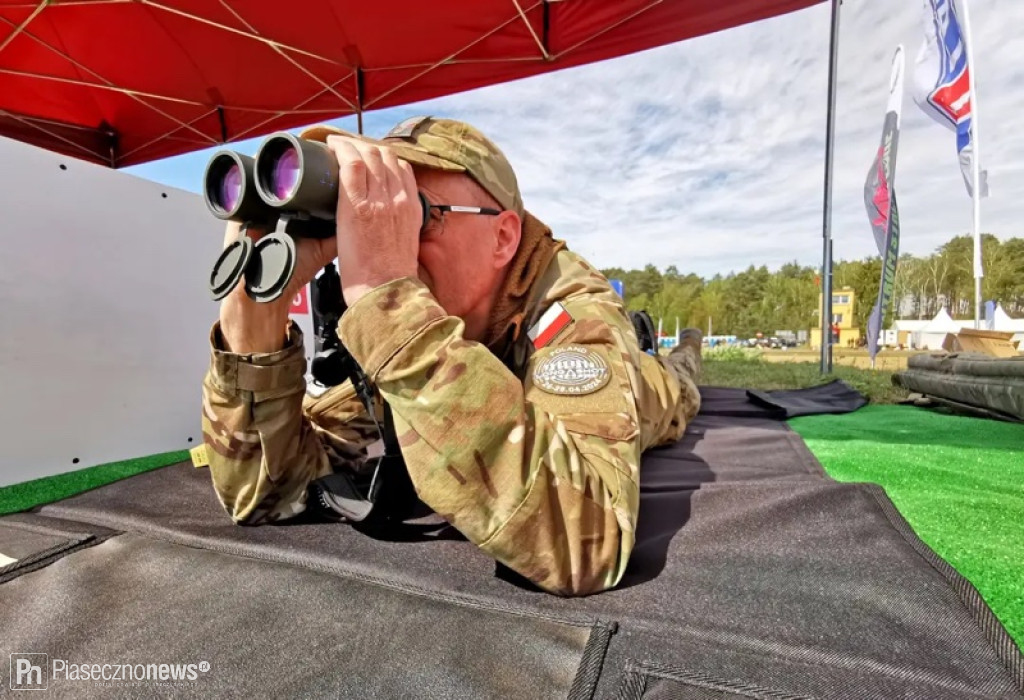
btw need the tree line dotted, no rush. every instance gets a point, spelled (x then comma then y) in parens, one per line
(758, 300)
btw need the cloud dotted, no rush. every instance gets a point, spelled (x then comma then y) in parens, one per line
(709, 154)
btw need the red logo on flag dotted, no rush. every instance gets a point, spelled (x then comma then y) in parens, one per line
(881, 198)
(300, 304)
(954, 98)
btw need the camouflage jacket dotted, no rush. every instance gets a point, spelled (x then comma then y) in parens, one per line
(534, 457)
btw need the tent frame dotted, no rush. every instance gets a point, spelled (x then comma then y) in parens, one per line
(360, 105)
(826, 228)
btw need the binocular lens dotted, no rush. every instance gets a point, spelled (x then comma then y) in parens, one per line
(285, 173)
(230, 189)
(297, 175)
(229, 192)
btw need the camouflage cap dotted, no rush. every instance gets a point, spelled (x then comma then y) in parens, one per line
(445, 144)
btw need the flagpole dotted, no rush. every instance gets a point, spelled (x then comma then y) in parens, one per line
(975, 167)
(826, 263)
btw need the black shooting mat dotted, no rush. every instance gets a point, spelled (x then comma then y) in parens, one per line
(833, 397)
(755, 575)
(273, 630)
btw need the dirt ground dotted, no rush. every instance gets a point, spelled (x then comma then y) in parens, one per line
(891, 360)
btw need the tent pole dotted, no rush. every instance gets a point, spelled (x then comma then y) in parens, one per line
(360, 86)
(826, 262)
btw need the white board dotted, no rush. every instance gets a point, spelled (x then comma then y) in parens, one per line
(105, 314)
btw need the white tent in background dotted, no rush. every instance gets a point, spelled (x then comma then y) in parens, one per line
(928, 335)
(931, 336)
(910, 325)
(1001, 321)
(904, 331)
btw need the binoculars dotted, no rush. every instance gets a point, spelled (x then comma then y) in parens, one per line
(289, 188)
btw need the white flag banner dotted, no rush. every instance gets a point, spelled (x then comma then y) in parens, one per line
(942, 82)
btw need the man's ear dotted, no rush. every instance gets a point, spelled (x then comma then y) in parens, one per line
(507, 237)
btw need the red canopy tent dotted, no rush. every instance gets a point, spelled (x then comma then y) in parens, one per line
(121, 82)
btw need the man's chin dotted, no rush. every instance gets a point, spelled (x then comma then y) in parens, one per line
(426, 279)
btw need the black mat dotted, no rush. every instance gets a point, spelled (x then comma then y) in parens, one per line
(755, 575)
(834, 397)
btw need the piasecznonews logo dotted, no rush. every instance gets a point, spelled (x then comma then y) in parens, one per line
(36, 671)
(30, 671)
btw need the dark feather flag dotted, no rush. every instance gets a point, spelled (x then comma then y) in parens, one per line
(880, 200)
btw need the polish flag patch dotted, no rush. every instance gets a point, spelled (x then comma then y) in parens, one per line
(554, 320)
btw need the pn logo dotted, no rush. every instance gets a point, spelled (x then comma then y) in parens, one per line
(30, 671)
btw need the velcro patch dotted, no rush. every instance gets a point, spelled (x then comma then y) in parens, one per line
(572, 371)
(551, 323)
(404, 128)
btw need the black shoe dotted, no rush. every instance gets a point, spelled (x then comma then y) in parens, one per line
(644, 327)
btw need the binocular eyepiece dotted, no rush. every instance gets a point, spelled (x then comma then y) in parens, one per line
(291, 188)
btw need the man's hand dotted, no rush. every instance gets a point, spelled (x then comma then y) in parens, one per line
(378, 224)
(379, 217)
(250, 326)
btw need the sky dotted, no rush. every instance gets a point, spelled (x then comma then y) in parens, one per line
(709, 154)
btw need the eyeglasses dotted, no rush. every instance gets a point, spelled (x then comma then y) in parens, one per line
(435, 219)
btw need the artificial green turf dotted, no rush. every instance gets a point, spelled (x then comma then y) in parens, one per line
(29, 494)
(958, 481)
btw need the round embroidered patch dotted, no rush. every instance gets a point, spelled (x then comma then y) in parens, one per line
(572, 370)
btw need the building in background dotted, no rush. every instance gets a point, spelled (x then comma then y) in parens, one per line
(845, 332)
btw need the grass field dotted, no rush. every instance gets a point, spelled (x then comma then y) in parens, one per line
(892, 360)
(755, 371)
